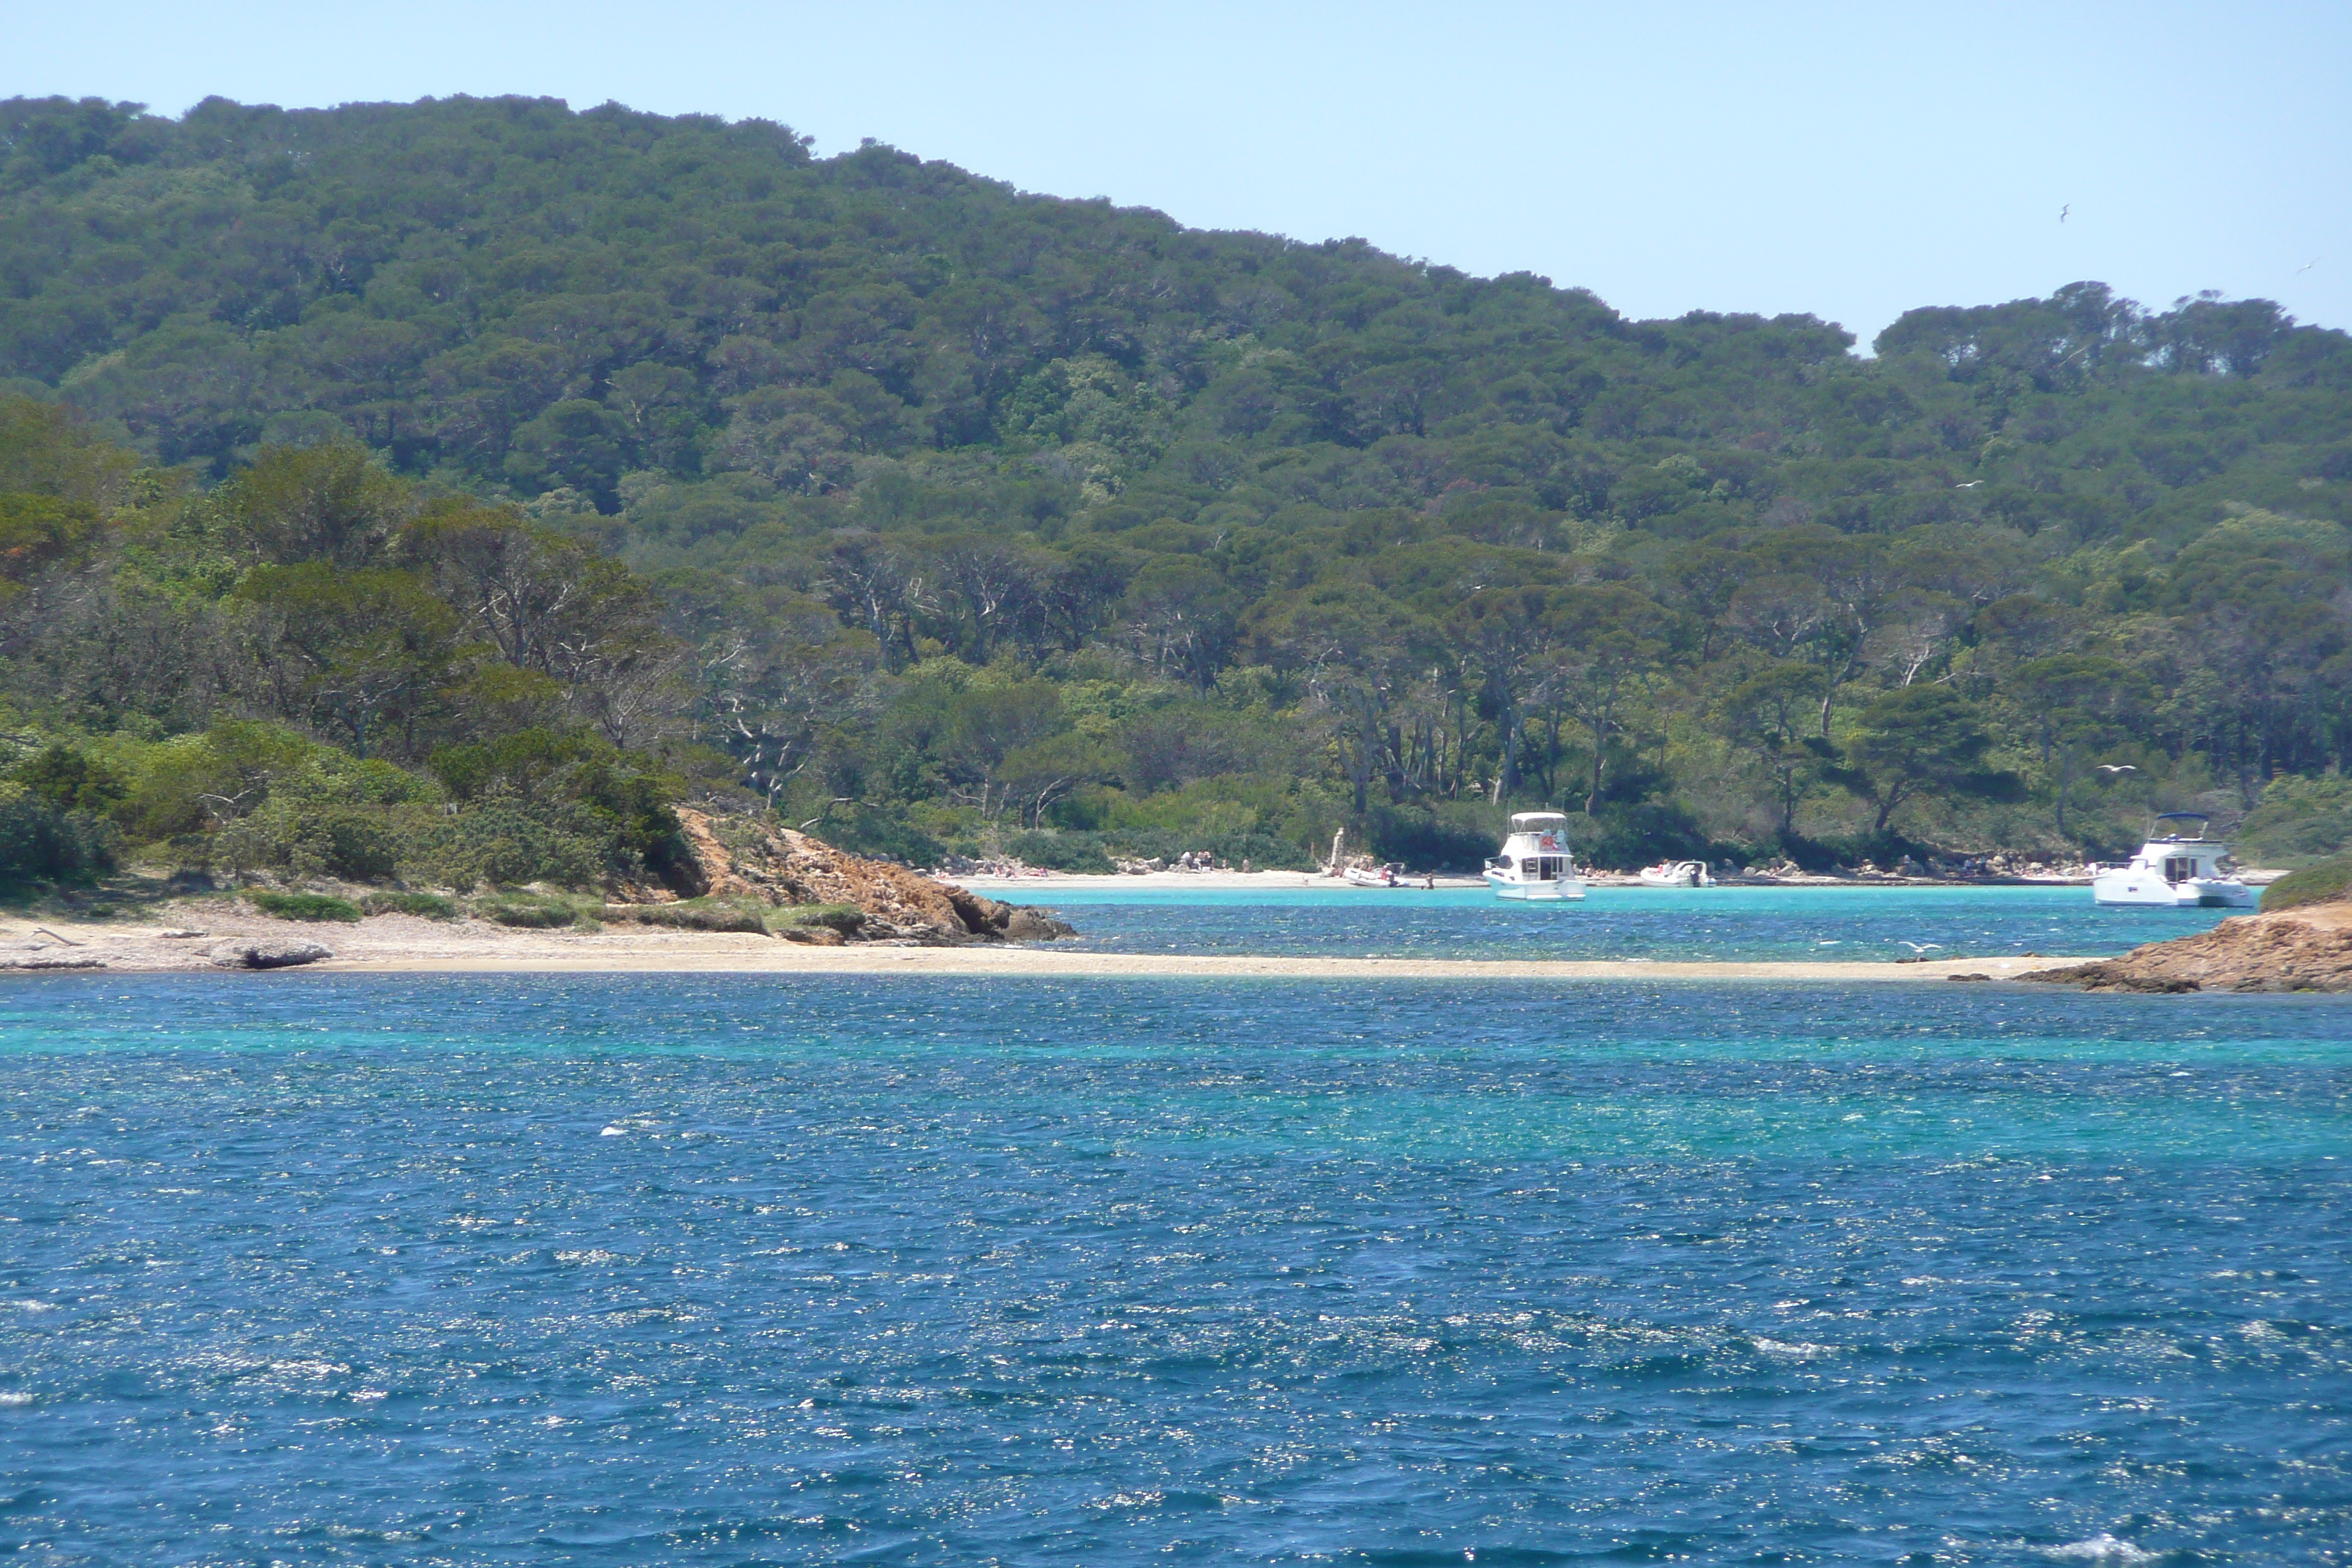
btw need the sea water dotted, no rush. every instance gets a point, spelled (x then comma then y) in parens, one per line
(1868, 924)
(766, 1270)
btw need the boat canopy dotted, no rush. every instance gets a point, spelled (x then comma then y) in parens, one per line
(1531, 818)
(2198, 817)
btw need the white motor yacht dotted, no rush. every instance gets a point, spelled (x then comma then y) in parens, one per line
(1677, 874)
(1535, 864)
(2174, 870)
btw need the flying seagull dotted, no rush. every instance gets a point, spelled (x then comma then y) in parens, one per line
(2308, 266)
(1970, 486)
(1919, 947)
(2064, 210)
(2117, 768)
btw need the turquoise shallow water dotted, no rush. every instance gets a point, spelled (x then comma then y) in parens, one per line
(1757, 923)
(710, 1269)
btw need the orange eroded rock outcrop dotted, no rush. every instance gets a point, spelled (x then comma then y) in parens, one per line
(2308, 948)
(739, 858)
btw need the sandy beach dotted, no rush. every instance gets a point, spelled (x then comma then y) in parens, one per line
(406, 945)
(1064, 965)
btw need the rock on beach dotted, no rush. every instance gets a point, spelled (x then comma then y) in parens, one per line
(268, 952)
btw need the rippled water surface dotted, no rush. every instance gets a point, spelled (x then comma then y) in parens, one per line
(1752, 923)
(713, 1269)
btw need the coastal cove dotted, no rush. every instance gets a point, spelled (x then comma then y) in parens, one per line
(350, 1268)
(1789, 935)
(721, 855)
(1798, 925)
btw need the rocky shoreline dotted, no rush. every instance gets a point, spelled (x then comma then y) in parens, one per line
(2308, 948)
(747, 883)
(741, 857)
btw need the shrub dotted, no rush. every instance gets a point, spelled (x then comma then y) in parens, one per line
(41, 842)
(71, 781)
(531, 914)
(349, 844)
(846, 919)
(1079, 852)
(375, 781)
(2299, 821)
(301, 829)
(432, 906)
(1625, 834)
(1264, 851)
(236, 762)
(635, 801)
(2312, 885)
(513, 764)
(165, 799)
(304, 906)
(617, 800)
(862, 830)
(506, 839)
(1809, 854)
(1426, 839)
(690, 916)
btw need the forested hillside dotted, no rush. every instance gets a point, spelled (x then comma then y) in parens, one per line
(474, 474)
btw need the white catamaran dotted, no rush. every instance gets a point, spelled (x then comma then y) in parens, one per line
(2173, 871)
(1535, 864)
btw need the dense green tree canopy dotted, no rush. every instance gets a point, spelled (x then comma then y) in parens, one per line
(410, 426)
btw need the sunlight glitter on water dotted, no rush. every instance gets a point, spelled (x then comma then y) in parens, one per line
(348, 1270)
(1720, 923)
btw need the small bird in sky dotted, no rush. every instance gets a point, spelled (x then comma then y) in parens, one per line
(2117, 768)
(2064, 210)
(2308, 266)
(1970, 486)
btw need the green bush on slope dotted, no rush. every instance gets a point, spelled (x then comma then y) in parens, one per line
(2312, 885)
(534, 913)
(40, 843)
(2298, 821)
(304, 906)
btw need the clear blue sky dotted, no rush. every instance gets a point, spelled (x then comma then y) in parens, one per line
(1851, 160)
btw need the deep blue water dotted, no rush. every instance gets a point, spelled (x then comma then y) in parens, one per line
(1757, 923)
(714, 1270)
